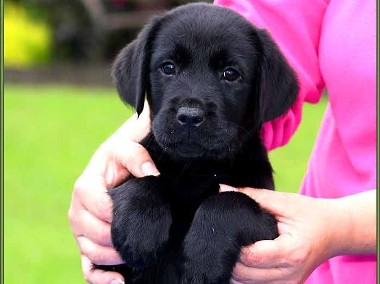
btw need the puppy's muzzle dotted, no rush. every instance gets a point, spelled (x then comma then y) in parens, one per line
(190, 117)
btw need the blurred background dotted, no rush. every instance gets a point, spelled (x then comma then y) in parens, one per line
(59, 106)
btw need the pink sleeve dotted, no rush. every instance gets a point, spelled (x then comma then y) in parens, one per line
(295, 26)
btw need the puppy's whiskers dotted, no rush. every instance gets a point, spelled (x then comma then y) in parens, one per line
(241, 128)
(232, 143)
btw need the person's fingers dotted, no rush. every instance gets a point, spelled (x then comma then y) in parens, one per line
(284, 252)
(225, 187)
(244, 274)
(278, 203)
(98, 254)
(266, 253)
(92, 196)
(112, 164)
(136, 159)
(115, 161)
(97, 276)
(85, 224)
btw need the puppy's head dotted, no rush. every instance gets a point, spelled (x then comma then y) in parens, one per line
(211, 80)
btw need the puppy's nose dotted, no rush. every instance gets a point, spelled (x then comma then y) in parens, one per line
(190, 116)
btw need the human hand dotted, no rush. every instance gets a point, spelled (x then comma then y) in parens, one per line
(310, 231)
(90, 212)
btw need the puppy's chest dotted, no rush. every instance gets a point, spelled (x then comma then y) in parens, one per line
(191, 183)
(193, 180)
(199, 180)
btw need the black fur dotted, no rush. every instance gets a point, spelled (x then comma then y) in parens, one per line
(211, 80)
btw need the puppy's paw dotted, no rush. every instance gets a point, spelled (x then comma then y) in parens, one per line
(222, 225)
(141, 222)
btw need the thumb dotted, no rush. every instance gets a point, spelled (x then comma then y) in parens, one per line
(136, 159)
(113, 163)
(277, 203)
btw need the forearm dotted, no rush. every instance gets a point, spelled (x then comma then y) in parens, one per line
(355, 226)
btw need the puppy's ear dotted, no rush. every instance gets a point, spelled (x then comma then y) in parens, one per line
(278, 81)
(130, 71)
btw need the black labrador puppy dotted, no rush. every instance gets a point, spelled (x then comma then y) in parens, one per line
(211, 80)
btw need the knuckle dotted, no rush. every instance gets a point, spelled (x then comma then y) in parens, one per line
(137, 154)
(71, 215)
(79, 188)
(104, 236)
(103, 208)
(86, 249)
(251, 257)
(237, 275)
(298, 257)
(97, 255)
(136, 150)
(78, 184)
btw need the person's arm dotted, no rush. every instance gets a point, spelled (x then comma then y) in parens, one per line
(295, 26)
(311, 231)
(358, 212)
(90, 212)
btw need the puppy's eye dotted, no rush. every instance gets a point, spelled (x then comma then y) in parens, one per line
(168, 68)
(231, 74)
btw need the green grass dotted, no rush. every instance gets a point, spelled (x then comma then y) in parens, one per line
(50, 134)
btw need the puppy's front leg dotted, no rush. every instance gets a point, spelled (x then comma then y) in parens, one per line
(222, 225)
(141, 221)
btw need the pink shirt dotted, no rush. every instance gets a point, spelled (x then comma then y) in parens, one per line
(332, 45)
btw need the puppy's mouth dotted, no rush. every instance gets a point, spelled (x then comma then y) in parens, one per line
(186, 150)
(194, 143)
(191, 150)
(194, 130)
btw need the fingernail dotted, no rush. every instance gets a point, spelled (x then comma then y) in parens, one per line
(148, 169)
(118, 281)
(224, 188)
